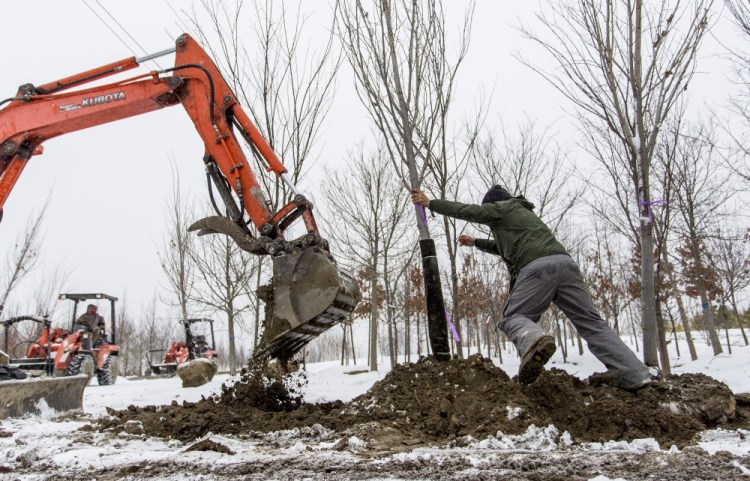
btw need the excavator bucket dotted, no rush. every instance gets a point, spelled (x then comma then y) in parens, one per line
(197, 372)
(307, 296)
(34, 395)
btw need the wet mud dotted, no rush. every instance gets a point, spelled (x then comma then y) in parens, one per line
(431, 402)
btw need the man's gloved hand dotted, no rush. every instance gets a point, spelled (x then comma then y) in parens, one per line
(467, 240)
(419, 197)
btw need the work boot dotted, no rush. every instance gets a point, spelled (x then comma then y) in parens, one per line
(534, 359)
(637, 379)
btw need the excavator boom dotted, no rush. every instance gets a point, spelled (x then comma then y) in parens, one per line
(308, 293)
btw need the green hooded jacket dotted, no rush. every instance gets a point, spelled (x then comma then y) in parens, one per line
(519, 236)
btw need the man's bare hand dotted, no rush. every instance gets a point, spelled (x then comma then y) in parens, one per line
(467, 240)
(419, 197)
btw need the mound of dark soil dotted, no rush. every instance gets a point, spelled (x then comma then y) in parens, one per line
(208, 445)
(434, 401)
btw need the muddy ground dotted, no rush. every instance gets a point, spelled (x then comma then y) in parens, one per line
(571, 465)
(433, 403)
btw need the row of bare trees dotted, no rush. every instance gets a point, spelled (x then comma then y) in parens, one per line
(657, 191)
(371, 203)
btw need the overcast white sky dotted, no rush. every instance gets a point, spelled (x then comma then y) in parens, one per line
(108, 185)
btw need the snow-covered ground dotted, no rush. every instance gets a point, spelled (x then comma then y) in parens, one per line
(39, 446)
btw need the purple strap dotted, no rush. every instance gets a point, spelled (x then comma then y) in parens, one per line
(648, 207)
(422, 214)
(453, 328)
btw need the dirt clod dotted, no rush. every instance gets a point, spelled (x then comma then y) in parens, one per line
(437, 402)
(209, 445)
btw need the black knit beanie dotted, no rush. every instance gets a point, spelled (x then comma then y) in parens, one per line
(496, 194)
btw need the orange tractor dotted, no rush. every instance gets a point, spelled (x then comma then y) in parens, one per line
(195, 347)
(60, 352)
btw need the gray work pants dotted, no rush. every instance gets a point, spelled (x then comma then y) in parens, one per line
(557, 279)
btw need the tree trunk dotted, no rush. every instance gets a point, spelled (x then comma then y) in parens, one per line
(729, 346)
(419, 338)
(488, 338)
(560, 341)
(674, 332)
(479, 338)
(343, 346)
(391, 342)
(374, 314)
(723, 318)
(232, 346)
(683, 313)
(395, 337)
(648, 298)
(666, 367)
(256, 328)
(389, 312)
(737, 316)
(708, 312)
(407, 335)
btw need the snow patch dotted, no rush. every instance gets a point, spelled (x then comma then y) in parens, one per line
(534, 439)
(299, 447)
(355, 442)
(742, 468)
(736, 442)
(673, 407)
(44, 411)
(639, 446)
(513, 412)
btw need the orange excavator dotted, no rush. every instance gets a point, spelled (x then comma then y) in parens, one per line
(308, 293)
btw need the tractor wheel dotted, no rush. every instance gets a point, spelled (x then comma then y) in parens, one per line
(107, 375)
(81, 364)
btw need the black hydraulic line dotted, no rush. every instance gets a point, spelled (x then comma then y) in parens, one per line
(9, 100)
(241, 219)
(225, 191)
(211, 88)
(211, 195)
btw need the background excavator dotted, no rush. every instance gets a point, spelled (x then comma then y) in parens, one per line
(308, 293)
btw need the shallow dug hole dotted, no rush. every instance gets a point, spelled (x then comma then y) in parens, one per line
(433, 402)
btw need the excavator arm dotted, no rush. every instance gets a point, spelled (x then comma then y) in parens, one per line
(38, 114)
(308, 293)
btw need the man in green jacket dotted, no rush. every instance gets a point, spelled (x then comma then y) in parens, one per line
(541, 272)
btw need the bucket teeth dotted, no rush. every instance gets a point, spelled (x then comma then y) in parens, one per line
(284, 337)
